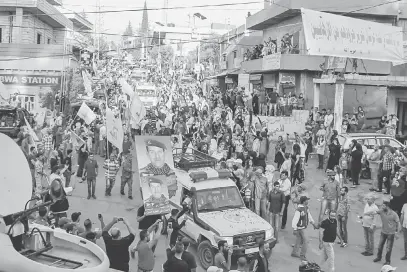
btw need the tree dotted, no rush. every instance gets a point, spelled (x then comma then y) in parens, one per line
(210, 50)
(129, 30)
(167, 55)
(74, 87)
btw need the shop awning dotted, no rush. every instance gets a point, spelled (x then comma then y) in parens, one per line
(234, 72)
(255, 77)
(223, 74)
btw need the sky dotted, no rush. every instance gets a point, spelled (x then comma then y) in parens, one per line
(117, 22)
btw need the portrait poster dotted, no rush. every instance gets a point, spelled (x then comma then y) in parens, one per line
(155, 161)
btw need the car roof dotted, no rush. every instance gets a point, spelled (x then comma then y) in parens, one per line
(364, 135)
(186, 181)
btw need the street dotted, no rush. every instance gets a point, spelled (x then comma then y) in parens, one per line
(347, 259)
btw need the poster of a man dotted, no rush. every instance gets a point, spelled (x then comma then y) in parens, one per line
(154, 158)
(156, 153)
(155, 195)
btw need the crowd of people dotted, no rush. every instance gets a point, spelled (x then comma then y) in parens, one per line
(226, 126)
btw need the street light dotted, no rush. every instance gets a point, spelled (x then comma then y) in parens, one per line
(202, 17)
(159, 43)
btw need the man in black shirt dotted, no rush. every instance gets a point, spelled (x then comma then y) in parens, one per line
(117, 247)
(327, 239)
(176, 227)
(68, 162)
(176, 263)
(146, 221)
(187, 256)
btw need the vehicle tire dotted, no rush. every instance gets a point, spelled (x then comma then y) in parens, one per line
(206, 254)
(365, 174)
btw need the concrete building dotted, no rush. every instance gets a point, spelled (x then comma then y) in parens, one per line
(294, 72)
(233, 46)
(35, 48)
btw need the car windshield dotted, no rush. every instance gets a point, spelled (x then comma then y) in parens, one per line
(8, 118)
(219, 199)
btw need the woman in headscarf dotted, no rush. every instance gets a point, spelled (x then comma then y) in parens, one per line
(334, 154)
(356, 162)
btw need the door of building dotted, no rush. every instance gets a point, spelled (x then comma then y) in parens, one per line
(402, 116)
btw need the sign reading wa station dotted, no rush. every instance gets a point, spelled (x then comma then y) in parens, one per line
(30, 80)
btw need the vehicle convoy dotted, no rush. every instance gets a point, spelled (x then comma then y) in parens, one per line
(12, 118)
(216, 209)
(147, 93)
(30, 247)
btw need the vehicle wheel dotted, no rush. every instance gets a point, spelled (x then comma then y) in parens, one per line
(206, 254)
(366, 174)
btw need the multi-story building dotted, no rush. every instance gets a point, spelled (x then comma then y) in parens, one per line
(293, 71)
(233, 47)
(34, 49)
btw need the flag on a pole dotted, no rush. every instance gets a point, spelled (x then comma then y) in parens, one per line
(137, 109)
(31, 131)
(114, 130)
(126, 88)
(86, 113)
(76, 140)
(4, 94)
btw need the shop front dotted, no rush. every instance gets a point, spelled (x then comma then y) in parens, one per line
(29, 90)
(397, 104)
(256, 81)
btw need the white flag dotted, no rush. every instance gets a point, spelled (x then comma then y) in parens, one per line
(31, 131)
(114, 130)
(4, 94)
(137, 109)
(126, 88)
(169, 103)
(86, 113)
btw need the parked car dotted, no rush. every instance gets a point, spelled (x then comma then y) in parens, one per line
(12, 118)
(370, 140)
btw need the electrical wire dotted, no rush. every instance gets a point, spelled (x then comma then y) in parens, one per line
(213, 40)
(151, 9)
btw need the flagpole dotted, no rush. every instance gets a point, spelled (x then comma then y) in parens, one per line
(107, 107)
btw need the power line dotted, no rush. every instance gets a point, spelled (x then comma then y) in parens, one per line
(150, 9)
(373, 6)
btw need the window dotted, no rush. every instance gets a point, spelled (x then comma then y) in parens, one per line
(371, 143)
(49, 41)
(395, 144)
(39, 38)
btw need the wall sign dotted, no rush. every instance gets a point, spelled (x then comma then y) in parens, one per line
(271, 62)
(287, 78)
(228, 80)
(30, 80)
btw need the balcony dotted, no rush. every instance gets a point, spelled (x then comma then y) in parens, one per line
(80, 23)
(284, 9)
(30, 50)
(47, 12)
(299, 62)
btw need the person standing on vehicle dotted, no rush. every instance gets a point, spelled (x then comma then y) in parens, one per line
(390, 228)
(117, 247)
(220, 260)
(302, 217)
(275, 205)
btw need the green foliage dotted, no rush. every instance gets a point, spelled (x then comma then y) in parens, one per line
(167, 55)
(210, 49)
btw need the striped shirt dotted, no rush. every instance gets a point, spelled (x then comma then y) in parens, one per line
(47, 141)
(112, 167)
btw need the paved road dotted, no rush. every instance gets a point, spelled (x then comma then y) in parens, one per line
(347, 259)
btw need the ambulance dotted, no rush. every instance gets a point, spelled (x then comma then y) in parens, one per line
(216, 209)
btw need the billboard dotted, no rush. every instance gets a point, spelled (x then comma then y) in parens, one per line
(158, 181)
(328, 34)
(30, 80)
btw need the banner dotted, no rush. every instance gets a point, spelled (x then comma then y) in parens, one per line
(30, 80)
(114, 130)
(158, 181)
(328, 34)
(86, 113)
(31, 131)
(283, 125)
(137, 109)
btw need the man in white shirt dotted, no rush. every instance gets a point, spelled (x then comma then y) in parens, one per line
(285, 188)
(403, 222)
(369, 219)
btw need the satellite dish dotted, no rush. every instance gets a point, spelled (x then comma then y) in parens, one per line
(15, 177)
